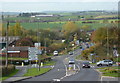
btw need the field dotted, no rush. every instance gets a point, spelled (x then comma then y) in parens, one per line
(57, 22)
(59, 25)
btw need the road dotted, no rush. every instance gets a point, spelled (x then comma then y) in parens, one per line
(60, 71)
(85, 74)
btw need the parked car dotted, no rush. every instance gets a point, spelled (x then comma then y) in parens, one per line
(71, 61)
(118, 63)
(55, 53)
(105, 63)
(86, 64)
(70, 53)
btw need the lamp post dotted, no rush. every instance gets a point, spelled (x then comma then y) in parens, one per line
(7, 44)
(39, 48)
(107, 44)
(39, 45)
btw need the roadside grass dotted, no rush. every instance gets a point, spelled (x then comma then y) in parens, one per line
(112, 74)
(49, 63)
(10, 75)
(110, 71)
(116, 67)
(13, 58)
(93, 63)
(34, 71)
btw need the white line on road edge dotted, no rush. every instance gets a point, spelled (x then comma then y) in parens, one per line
(100, 74)
(108, 76)
(78, 68)
(65, 70)
(58, 69)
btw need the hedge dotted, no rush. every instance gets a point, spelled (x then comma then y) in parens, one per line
(7, 70)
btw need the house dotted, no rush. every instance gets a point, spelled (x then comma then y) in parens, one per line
(11, 39)
(21, 52)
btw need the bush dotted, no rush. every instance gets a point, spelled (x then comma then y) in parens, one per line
(7, 70)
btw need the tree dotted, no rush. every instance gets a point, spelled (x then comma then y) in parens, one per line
(69, 29)
(86, 27)
(17, 29)
(11, 31)
(24, 42)
(57, 46)
(99, 35)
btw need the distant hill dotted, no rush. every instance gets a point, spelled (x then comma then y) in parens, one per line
(10, 13)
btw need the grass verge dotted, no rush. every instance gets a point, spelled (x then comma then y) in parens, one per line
(110, 71)
(34, 71)
(13, 58)
(49, 63)
(8, 76)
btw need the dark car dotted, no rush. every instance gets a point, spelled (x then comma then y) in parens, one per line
(70, 53)
(80, 47)
(85, 65)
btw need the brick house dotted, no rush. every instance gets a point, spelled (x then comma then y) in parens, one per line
(21, 52)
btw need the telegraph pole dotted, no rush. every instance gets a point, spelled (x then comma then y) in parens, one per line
(6, 63)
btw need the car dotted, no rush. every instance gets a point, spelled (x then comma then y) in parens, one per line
(80, 47)
(86, 64)
(71, 61)
(55, 53)
(105, 63)
(118, 63)
(70, 53)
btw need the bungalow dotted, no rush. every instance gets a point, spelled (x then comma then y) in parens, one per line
(21, 52)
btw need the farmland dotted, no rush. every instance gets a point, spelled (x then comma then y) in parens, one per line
(60, 18)
(59, 25)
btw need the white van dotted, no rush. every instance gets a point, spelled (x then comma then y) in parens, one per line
(55, 53)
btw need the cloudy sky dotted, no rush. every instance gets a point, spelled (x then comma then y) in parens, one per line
(59, 0)
(57, 5)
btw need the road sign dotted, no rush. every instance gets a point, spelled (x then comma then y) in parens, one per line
(115, 53)
(32, 52)
(37, 45)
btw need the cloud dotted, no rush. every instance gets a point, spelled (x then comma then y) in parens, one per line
(59, 0)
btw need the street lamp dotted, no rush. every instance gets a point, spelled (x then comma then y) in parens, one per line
(107, 44)
(7, 44)
(39, 48)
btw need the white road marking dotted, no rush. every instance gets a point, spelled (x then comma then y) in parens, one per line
(58, 69)
(52, 66)
(56, 80)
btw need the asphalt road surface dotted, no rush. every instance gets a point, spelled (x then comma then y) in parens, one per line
(59, 71)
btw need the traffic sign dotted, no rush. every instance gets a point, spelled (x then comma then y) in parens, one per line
(32, 52)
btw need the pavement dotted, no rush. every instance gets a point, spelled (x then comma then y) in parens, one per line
(22, 70)
(107, 78)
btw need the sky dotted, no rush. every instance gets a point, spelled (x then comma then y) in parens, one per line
(57, 5)
(59, 0)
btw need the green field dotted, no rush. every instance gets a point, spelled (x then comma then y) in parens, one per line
(59, 25)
